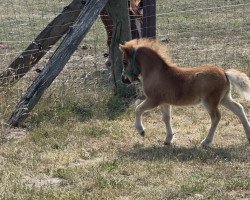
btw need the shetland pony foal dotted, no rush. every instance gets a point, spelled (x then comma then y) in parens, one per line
(166, 84)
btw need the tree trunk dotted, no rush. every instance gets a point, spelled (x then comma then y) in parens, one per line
(118, 11)
(57, 62)
(43, 42)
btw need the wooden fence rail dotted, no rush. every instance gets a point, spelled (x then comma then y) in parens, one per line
(42, 43)
(57, 62)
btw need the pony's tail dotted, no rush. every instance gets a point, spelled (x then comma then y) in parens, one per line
(241, 82)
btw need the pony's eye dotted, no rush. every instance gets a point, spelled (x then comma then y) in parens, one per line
(125, 63)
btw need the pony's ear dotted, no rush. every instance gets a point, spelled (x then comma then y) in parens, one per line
(124, 49)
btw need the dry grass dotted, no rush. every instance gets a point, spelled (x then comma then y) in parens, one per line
(80, 142)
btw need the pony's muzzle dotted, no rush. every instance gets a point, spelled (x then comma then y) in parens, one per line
(125, 79)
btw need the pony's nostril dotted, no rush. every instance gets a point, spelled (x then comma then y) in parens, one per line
(125, 63)
(125, 80)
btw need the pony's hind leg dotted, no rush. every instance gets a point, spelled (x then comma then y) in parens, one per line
(147, 104)
(215, 118)
(166, 117)
(238, 110)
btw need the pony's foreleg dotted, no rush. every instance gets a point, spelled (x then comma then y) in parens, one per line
(140, 109)
(238, 110)
(166, 117)
(215, 118)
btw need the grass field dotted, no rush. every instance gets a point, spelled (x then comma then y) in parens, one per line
(80, 142)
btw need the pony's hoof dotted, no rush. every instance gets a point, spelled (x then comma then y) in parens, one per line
(169, 139)
(142, 133)
(205, 143)
(167, 143)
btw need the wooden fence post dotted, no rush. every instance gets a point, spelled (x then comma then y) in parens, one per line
(118, 11)
(58, 60)
(149, 18)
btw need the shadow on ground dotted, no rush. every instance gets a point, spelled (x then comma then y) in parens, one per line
(183, 154)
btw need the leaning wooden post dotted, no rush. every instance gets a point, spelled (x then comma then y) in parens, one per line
(58, 60)
(42, 43)
(118, 11)
(149, 18)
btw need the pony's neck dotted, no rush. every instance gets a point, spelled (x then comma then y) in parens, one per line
(149, 61)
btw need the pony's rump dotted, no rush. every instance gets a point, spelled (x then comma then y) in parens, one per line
(241, 82)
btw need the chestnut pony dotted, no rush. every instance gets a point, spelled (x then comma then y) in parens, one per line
(165, 84)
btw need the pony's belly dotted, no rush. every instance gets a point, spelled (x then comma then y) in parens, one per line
(183, 101)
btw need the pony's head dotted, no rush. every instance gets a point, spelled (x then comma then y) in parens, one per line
(133, 60)
(131, 70)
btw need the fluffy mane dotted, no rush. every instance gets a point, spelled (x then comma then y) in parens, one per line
(151, 44)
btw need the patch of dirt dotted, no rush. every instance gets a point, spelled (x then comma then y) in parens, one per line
(88, 162)
(124, 198)
(42, 180)
(239, 194)
(1, 159)
(13, 133)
